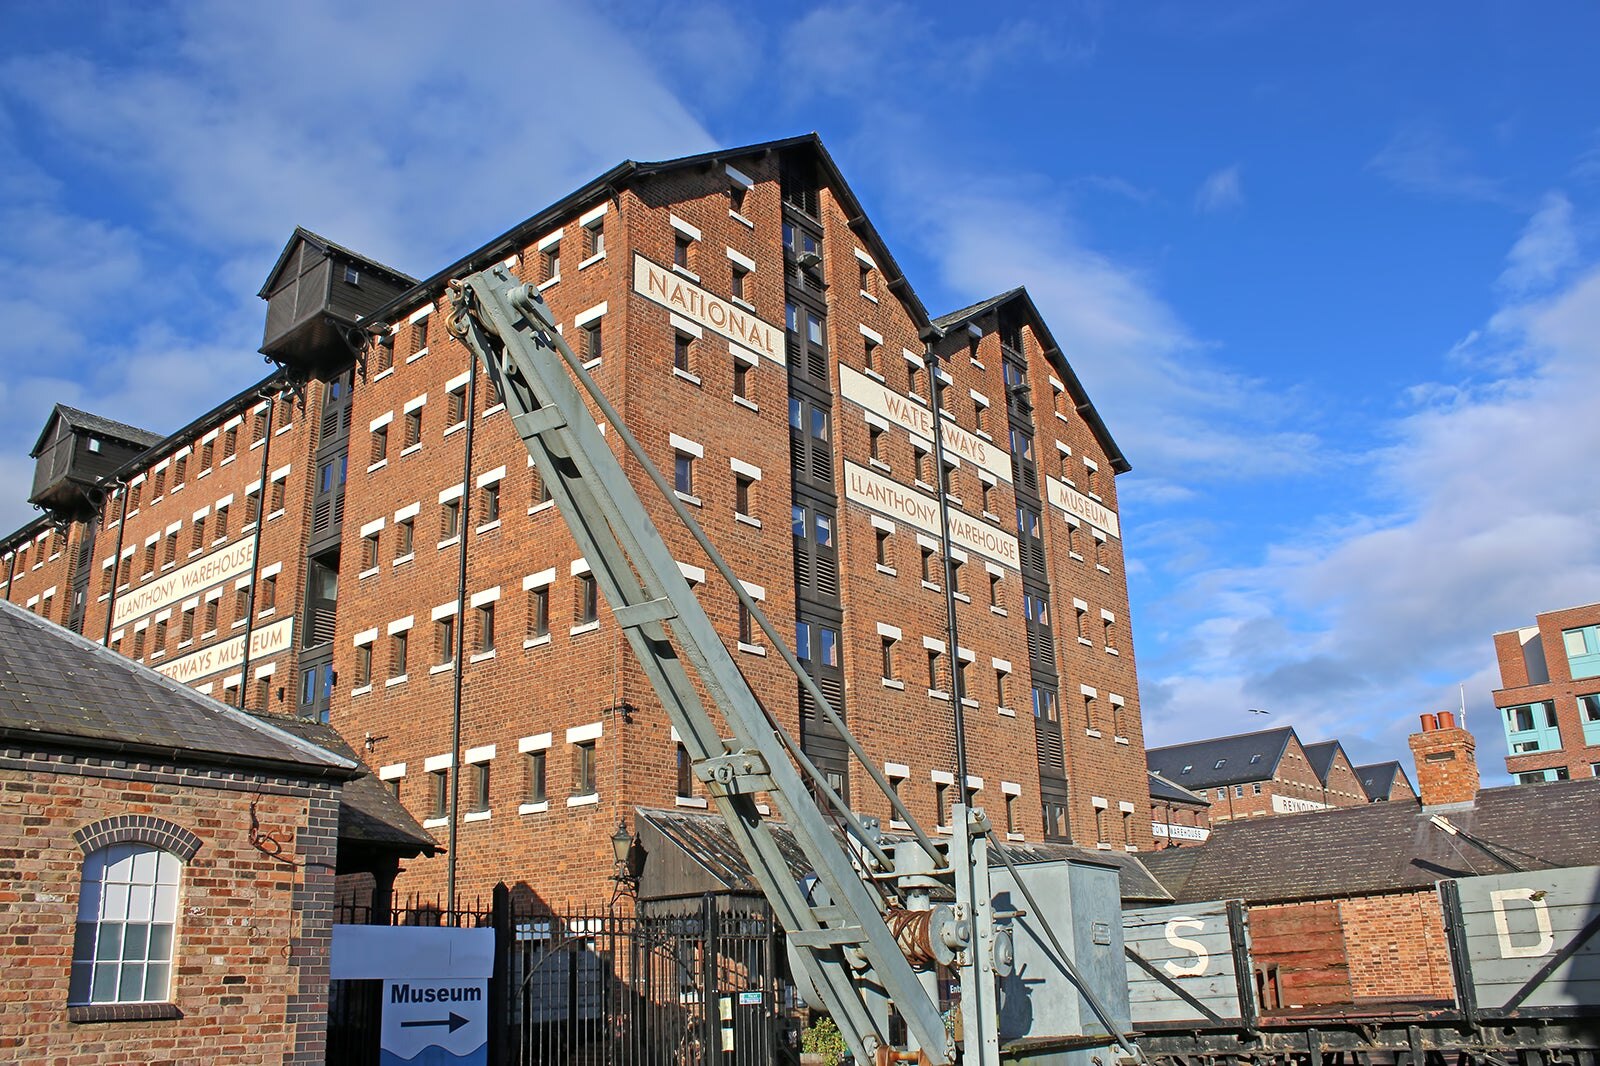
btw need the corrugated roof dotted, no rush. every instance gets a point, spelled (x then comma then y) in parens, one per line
(706, 841)
(59, 690)
(1381, 847)
(1222, 760)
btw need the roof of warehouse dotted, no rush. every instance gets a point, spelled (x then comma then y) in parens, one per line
(1222, 760)
(1377, 779)
(1321, 756)
(1162, 789)
(105, 427)
(705, 840)
(1381, 847)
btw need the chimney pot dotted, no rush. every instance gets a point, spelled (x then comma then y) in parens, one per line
(1447, 720)
(1430, 722)
(1445, 756)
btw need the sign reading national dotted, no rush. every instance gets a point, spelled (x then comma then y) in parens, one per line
(677, 293)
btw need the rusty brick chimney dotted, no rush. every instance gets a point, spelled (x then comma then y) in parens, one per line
(1446, 758)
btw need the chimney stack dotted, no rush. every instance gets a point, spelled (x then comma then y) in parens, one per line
(1446, 758)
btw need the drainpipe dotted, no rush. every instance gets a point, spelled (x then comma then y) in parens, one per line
(11, 578)
(116, 563)
(255, 554)
(461, 637)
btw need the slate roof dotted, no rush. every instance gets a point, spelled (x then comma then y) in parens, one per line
(1162, 789)
(1233, 753)
(1321, 756)
(60, 691)
(706, 842)
(1377, 779)
(369, 812)
(97, 424)
(1382, 847)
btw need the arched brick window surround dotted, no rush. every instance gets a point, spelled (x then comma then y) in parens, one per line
(141, 829)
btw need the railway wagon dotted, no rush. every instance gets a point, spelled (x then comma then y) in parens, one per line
(1518, 959)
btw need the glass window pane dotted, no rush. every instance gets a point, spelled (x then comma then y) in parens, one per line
(116, 904)
(796, 419)
(119, 863)
(110, 941)
(83, 942)
(161, 943)
(813, 329)
(824, 530)
(166, 904)
(105, 984)
(797, 522)
(1573, 638)
(89, 899)
(134, 939)
(155, 982)
(802, 641)
(132, 988)
(819, 424)
(828, 640)
(140, 899)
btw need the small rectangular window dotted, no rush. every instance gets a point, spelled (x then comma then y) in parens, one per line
(380, 446)
(583, 768)
(593, 342)
(444, 640)
(588, 605)
(680, 250)
(455, 407)
(537, 766)
(737, 284)
(369, 552)
(683, 473)
(747, 628)
(888, 658)
(441, 793)
(413, 427)
(485, 615)
(363, 665)
(398, 651)
(552, 262)
(480, 786)
(450, 519)
(404, 533)
(682, 345)
(489, 503)
(352, 276)
(685, 773)
(538, 613)
(594, 236)
(743, 488)
(741, 379)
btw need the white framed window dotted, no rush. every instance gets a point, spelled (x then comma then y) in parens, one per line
(127, 920)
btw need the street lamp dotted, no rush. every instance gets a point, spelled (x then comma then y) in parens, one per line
(622, 844)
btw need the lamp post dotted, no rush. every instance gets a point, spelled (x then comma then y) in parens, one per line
(622, 843)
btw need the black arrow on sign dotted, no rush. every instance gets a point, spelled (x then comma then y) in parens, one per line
(455, 1021)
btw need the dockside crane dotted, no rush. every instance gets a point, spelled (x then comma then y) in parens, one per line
(868, 928)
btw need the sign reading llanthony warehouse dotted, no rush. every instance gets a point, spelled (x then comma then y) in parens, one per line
(188, 580)
(678, 294)
(878, 398)
(922, 512)
(228, 654)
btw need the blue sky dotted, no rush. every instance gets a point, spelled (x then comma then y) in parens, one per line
(1330, 272)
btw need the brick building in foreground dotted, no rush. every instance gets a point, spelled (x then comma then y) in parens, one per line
(360, 538)
(1549, 698)
(169, 863)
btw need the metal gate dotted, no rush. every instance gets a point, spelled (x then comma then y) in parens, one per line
(683, 982)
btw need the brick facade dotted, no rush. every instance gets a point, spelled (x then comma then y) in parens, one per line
(1541, 679)
(1447, 764)
(251, 958)
(415, 501)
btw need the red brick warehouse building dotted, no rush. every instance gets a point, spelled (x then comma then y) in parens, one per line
(753, 329)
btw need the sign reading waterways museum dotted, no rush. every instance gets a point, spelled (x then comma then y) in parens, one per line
(922, 512)
(678, 294)
(228, 654)
(900, 409)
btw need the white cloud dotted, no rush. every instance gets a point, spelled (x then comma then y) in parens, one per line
(1221, 191)
(148, 190)
(1420, 157)
(1546, 250)
(1482, 514)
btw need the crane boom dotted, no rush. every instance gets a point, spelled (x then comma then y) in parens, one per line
(865, 932)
